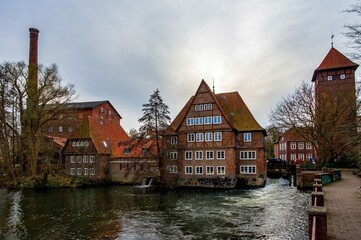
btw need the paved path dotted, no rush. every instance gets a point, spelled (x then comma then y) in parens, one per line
(343, 205)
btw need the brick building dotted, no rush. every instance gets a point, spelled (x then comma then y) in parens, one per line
(291, 146)
(215, 142)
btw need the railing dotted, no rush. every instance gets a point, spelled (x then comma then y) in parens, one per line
(317, 217)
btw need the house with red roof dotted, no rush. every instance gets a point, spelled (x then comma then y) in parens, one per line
(215, 142)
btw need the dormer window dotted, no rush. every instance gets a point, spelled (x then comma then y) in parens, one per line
(126, 151)
(342, 76)
(329, 78)
(144, 151)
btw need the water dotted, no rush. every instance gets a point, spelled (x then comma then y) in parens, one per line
(277, 211)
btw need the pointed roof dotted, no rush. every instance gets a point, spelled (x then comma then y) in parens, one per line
(232, 106)
(334, 59)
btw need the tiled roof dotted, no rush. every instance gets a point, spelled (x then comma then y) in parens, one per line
(233, 107)
(135, 147)
(292, 135)
(334, 59)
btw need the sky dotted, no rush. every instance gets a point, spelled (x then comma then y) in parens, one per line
(123, 50)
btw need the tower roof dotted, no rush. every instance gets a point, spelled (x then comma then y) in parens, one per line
(334, 59)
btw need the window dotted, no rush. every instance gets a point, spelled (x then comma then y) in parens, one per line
(72, 171)
(293, 145)
(199, 120)
(85, 159)
(308, 156)
(101, 109)
(70, 129)
(190, 137)
(173, 155)
(72, 159)
(85, 171)
(217, 120)
(245, 155)
(198, 107)
(199, 155)
(342, 76)
(91, 159)
(92, 171)
(126, 151)
(207, 120)
(218, 136)
(61, 116)
(173, 140)
(60, 129)
(190, 121)
(50, 129)
(199, 137)
(220, 154)
(189, 169)
(301, 156)
(172, 169)
(247, 137)
(209, 106)
(209, 170)
(329, 78)
(144, 151)
(308, 145)
(208, 136)
(209, 155)
(199, 170)
(301, 145)
(248, 169)
(188, 155)
(293, 156)
(78, 159)
(221, 170)
(78, 171)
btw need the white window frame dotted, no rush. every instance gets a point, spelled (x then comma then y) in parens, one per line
(221, 170)
(209, 170)
(173, 155)
(308, 156)
(199, 170)
(308, 145)
(60, 129)
(85, 159)
(172, 169)
(329, 77)
(209, 155)
(198, 107)
(301, 145)
(217, 136)
(208, 120)
(92, 171)
(247, 155)
(221, 154)
(72, 171)
(173, 140)
(208, 136)
(293, 156)
(79, 159)
(342, 76)
(50, 129)
(190, 137)
(247, 137)
(86, 171)
(199, 155)
(188, 155)
(188, 170)
(301, 156)
(190, 121)
(199, 137)
(199, 121)
(91, 159)
(248, 169)
(293, 145)
(78, 171)
(217, 119)
(72, 159)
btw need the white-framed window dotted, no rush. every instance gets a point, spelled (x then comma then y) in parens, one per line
(221, 154)
(248, 169)
(78, 159)
(221, 170)
(246, 155)
(173, 140)
(78, 171)
(301, 156)
(301, 145)
(217, 119)
(199, 170)
(91, 159)
(190, 121)
(70, 129)
(329, 78)
(209, 106)
(218, 136)
(207, 120)
(198, 107)
(172, 169)
(188, 155)
(50, 129)
(247, 137)
(85, 159)
(188, 169)
(60, 129)
(293, 145)
(101, 109)
(293, 156)
(199, 155)
(342, 76)
(173, 155)
(199, 137)
(208, 136)
(308, 156)
(72, 171)
(199, 120)
(209, 155)
(126, 151)
(190, 137)
(308, 145)
(85, 171)
(92, 171)
(209, 170)
(72, 159)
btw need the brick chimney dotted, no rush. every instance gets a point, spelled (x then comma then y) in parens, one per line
(33, 61)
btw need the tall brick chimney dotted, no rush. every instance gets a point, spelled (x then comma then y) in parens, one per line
(33, 62)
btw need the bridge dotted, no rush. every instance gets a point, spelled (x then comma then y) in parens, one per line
(282, 170)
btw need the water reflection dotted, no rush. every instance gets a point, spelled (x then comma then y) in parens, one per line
(277, 211)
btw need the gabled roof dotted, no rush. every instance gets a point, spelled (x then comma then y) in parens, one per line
(334, 59)
(232, 106)
(135, 147)
(293, 135)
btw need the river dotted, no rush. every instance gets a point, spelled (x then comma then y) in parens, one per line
(276, 211)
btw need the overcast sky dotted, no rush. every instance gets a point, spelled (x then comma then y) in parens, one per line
(122, 51)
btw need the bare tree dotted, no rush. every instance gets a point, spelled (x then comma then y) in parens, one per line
(353, 31)
(327, 122)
